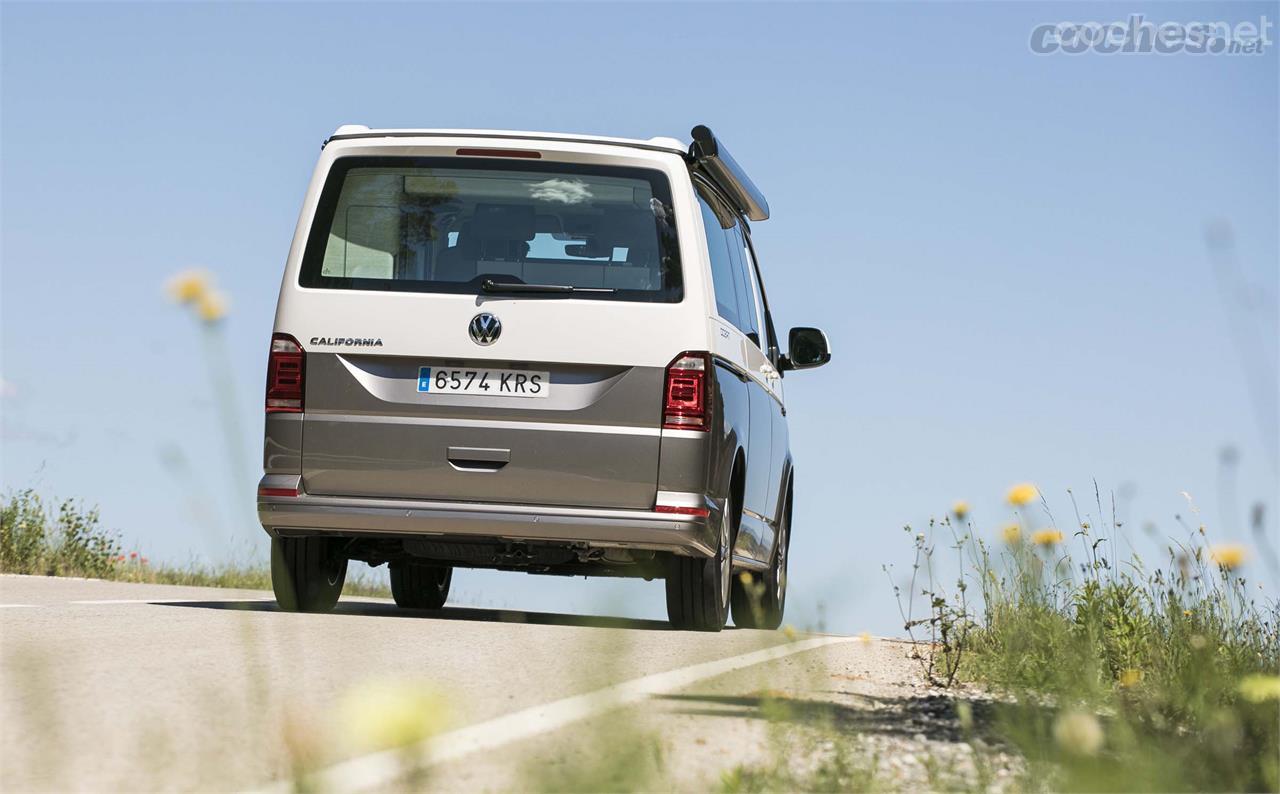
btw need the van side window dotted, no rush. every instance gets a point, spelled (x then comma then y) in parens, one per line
(723, 266)
(748, 291)
(769, 342)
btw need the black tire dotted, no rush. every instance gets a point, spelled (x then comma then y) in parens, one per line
(698, 587)
(416, 585)
(758, 602)
(307, 573)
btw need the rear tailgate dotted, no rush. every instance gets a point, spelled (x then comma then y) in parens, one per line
(591, 441)
(405, 248)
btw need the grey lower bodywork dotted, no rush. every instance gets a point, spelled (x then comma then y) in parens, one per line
(588, 528)
(593, 443)
(373, 462)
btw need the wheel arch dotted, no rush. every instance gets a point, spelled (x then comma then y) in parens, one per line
(785, 488)
(737, 485)
(785, 499)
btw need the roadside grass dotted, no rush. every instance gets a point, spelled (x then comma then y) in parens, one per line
(1110, 675)
(1097, 671)
(64, 538)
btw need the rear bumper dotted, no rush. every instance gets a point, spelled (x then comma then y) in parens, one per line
(595, 528)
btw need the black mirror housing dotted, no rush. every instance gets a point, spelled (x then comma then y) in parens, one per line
(806, 348)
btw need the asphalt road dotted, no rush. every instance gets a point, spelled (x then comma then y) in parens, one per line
(114, 686)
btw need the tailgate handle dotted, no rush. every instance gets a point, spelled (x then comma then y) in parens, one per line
(478, 458)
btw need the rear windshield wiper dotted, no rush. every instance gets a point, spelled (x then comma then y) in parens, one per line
(489, 285)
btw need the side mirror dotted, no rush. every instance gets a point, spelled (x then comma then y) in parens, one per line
(806, 348)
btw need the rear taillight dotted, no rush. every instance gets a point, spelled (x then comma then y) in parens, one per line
(685, 395)
(285, 375)
(277, 491)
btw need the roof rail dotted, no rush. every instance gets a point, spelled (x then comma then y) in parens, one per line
(708, 155)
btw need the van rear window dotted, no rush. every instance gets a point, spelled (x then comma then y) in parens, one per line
(448, 225)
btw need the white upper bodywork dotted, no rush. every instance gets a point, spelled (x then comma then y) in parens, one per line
(535, 329)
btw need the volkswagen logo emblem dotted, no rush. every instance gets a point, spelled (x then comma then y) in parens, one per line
(485, 329)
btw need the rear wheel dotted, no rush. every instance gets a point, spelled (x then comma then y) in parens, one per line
(698, 587)
(416, 585)
(760, 598)
(307, 573)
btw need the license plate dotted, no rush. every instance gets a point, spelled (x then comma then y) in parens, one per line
(484, 382)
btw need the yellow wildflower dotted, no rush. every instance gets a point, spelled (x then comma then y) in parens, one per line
(1131, 677)
(790, 632)
(745, 578)
(211, 306)
(1257, 688)
(1078, 732)
(1022, 494)
(188, 286)
(1046, 537)
(382, 714)
(1012, 534)
(961, 509)
(864, 638)
(1229, 555)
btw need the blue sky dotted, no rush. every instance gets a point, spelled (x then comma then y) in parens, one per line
(1007, 251)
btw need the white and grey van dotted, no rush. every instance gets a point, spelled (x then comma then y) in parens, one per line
(530, 352)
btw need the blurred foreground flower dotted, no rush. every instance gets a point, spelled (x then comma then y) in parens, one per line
(194, 288)
(1229, 555)
(1022, 494)
(188, 286)
(1257, 688)
(1131, 677)
(1012, 534)
(961, 509)
(383, 714)
(1046, 537)
(1078, 732)
(212, 306)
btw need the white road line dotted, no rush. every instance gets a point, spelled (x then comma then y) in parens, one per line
(191, 600)
(197, 599)
(380, 769)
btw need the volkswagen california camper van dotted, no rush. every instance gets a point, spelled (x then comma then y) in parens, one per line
(530, 352)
